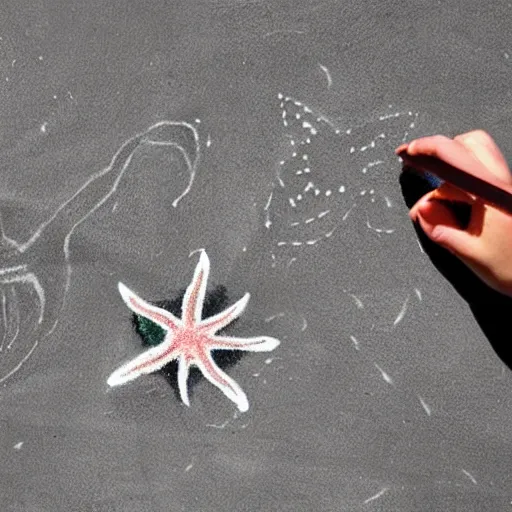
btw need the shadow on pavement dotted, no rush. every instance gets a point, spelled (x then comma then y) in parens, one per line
(490, 308)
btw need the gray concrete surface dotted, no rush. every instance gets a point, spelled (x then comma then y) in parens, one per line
(384, 394)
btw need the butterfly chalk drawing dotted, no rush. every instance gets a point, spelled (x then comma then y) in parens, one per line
(328, 172)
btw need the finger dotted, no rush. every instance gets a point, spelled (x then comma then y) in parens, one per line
(449, 151)
(413, 212)
(402, 147)
(446, 192)
(433, 145)
(449, 192)
(456, 154)
(457, 241)
(441, 226)
(453, 152)
(434, 213)
(483, 147)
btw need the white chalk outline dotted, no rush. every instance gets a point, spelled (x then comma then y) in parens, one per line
(376, 496)
(17, 260)
(327, 74)
(320, 118)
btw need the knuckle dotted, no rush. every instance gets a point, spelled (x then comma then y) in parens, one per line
(480, 137)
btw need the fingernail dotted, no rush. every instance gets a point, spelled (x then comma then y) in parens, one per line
(402, 147)
(437, 232)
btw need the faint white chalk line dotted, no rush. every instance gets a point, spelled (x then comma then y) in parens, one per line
(17, 317)
(283, 31)
(425, 406)
(355, 342)
(402, 312)
(357, 300)
(268, 222)
(327, 74)
(379, 230)
(384, 375)
(23, 263)
(376, 496)
(470, 476)
(221, 426)
(5, 322)
(273, 317)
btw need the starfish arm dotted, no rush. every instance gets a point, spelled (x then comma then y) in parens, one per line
(147, 362)
(160, 316)
(217, 322)
(192, 307)
(223, 381)
(183, 370)
(256, 344)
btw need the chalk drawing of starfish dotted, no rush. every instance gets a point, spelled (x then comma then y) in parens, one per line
(42, 263)
(191, 339)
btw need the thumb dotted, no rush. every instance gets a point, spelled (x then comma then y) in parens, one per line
(441, 226)
(456, 240)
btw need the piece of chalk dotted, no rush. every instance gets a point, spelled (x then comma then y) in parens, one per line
(474, 178)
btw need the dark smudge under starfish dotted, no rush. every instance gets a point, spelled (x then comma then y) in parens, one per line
(191, 339)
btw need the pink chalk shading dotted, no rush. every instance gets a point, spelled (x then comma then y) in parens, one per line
(190, 340)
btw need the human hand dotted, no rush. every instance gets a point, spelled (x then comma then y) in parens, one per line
(485, 244)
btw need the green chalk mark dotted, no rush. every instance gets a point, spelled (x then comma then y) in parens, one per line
(152, 334)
